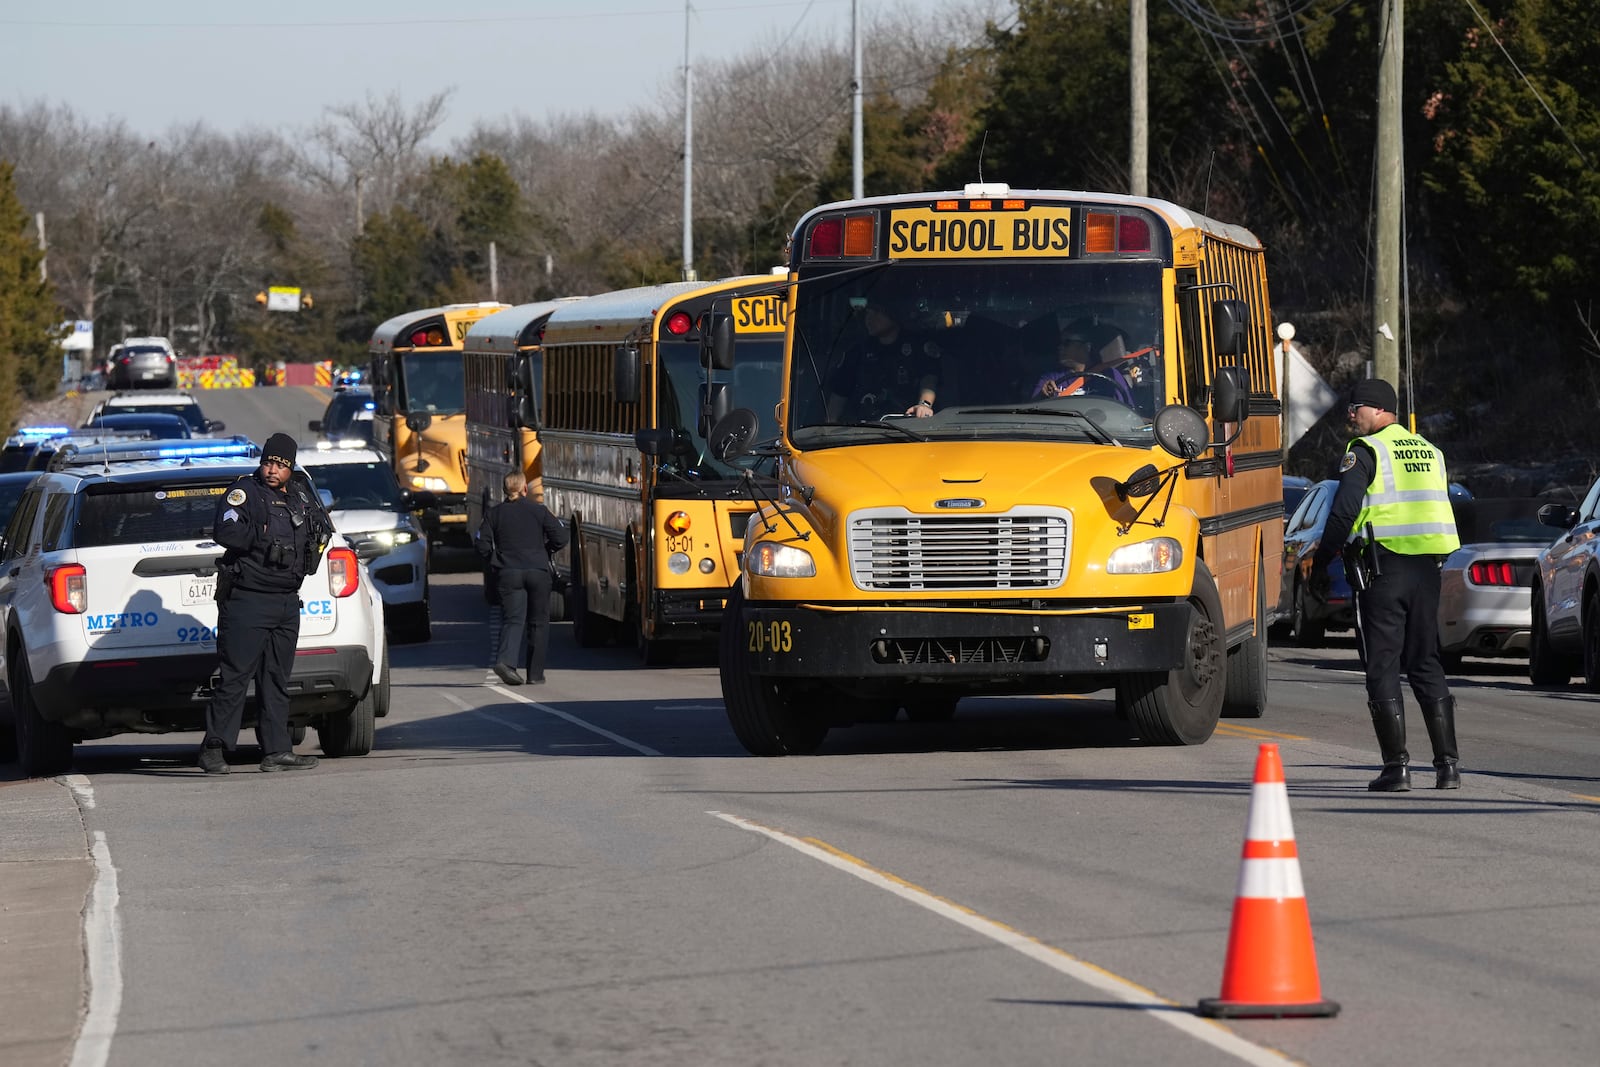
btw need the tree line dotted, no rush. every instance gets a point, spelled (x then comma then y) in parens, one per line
(1262, 113)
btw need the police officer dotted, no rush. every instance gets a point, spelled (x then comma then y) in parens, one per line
(517, 538)
(274, 530)
(1396, 481)
(890, 372)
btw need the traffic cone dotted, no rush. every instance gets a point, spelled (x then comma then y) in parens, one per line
(1271, 970)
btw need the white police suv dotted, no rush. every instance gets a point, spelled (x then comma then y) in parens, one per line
(107, 613)
(376, 518)
(166, 401)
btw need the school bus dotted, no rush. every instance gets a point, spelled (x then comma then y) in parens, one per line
(504, 369)
(419, 419)
(630, 397)
(1119, 530)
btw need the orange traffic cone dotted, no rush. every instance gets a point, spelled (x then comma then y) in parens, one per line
(1271, 969)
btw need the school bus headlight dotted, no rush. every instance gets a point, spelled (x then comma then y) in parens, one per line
(433, 485)
(780, 561)
(1155, 556)
(678, 563)
(677, 524)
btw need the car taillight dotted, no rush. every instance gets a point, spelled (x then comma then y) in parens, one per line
(69, 588)
(1498, 573)
(344, 573)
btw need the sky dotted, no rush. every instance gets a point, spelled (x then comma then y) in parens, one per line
(160, 63)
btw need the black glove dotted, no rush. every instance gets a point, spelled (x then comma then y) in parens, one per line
(1320, 582)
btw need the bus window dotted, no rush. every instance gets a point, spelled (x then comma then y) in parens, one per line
(434, 382)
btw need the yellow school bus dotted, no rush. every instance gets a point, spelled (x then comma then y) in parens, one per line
(504, 368)
(630, 396)
(420, 419)
(968, 505)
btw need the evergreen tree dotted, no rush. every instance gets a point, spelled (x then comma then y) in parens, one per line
(30, 321)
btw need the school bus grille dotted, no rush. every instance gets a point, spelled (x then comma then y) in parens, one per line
(893, 549)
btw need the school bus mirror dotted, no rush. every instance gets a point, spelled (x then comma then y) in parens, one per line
(730, 438)
(527, 414)
(1230, 395)
(716, 341)
(654, 443)
(1181, 430)
(625, 374)
(418, 421)
(1230, 322)
(1142, 482)
(716, 400)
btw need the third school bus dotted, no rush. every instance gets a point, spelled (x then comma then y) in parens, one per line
(419, 419)
(657, 522)
(1028, 443)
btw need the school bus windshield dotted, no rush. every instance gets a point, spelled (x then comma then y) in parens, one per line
(755, 379)
(1007, 351)
(433, 382)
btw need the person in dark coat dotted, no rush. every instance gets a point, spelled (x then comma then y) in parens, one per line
(518, 537)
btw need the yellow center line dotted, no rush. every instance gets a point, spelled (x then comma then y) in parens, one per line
(1233, 729)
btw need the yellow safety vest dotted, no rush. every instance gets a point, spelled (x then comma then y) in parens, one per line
(1408, 501)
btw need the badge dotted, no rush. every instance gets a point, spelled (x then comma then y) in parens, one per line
(1347, 462)
(236, 497)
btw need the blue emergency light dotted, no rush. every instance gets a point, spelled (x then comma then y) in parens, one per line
(43, 431)
(239, 446)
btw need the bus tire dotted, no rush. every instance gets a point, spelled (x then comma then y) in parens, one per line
(1181, 706)
(588, 629)
(1245, 695)
(763, 712)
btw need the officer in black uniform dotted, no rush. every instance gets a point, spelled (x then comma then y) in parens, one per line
(1396, 481)
(274, 530)
(517, 538)
(892, 372)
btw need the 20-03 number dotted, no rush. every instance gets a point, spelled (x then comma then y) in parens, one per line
(774, 636)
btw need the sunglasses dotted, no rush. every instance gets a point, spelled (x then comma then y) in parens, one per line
(1351, 409)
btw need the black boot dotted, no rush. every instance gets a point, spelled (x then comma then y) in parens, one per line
(1389, 720)
(1440, 715)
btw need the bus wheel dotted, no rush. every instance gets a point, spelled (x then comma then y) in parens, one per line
(588, 629)
(1181, 706)
(652, 653)
(763, 712)
(1246, 694)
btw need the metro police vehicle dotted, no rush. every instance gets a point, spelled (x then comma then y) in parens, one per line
(108, 575)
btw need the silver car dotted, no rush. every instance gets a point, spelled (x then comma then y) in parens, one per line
(1484, 608)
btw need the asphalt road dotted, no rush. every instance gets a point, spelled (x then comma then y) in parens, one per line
(592, 872)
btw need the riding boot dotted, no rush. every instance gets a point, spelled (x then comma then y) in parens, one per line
(1389, 720)
(1440, 715)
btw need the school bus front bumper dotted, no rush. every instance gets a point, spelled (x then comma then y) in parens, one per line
(828, 641)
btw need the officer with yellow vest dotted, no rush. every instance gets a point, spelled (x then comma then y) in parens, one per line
(1396, 481)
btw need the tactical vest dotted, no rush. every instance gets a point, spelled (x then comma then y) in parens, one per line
(1408, 502)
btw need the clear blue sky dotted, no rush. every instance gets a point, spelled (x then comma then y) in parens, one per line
(277, 64)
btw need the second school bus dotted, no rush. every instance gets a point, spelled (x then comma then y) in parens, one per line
(629, 398)
(420, 420)
(1028, 443)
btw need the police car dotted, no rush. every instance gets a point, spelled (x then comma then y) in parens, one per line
(107, 613)
(376, 518)
(170, 402)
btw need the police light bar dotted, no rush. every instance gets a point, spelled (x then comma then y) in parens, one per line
(43, 431)
(348, 442)
(73, 454)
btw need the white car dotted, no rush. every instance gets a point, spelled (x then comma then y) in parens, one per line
(167, 402)
(376, 518)
(108, 574)
(1566, 597)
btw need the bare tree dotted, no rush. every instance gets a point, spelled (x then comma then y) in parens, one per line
(368, 151)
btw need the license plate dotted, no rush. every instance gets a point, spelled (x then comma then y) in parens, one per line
(147, 374)
(199, 590)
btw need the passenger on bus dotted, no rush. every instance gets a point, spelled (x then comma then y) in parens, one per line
(892, 372)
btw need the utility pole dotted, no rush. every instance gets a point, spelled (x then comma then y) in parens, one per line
(1138, 98)
(1391, 172)
(688, 151)
(361, 218)
(856, 185)
(44, 249)
(494, 275)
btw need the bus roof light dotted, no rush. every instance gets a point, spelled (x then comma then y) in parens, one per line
(1099, 232)
(861, 234)
(827, 238)
(427, 337)
(678, 323)
(946, 205)
(1133, 234)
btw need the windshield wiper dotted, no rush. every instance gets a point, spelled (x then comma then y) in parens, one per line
(1095, 429)
(872, 425)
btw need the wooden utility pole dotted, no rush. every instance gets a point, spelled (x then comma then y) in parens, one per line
(857, 185)
(1390, 198)
(688, 152)
(1138, 99)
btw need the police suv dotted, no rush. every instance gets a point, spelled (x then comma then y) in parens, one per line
(377, 519)
(108, 575)
(169, 402)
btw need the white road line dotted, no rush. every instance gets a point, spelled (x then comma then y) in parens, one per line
(464, 706)
(643, 750)
(102, 935)
(1169, 1012)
